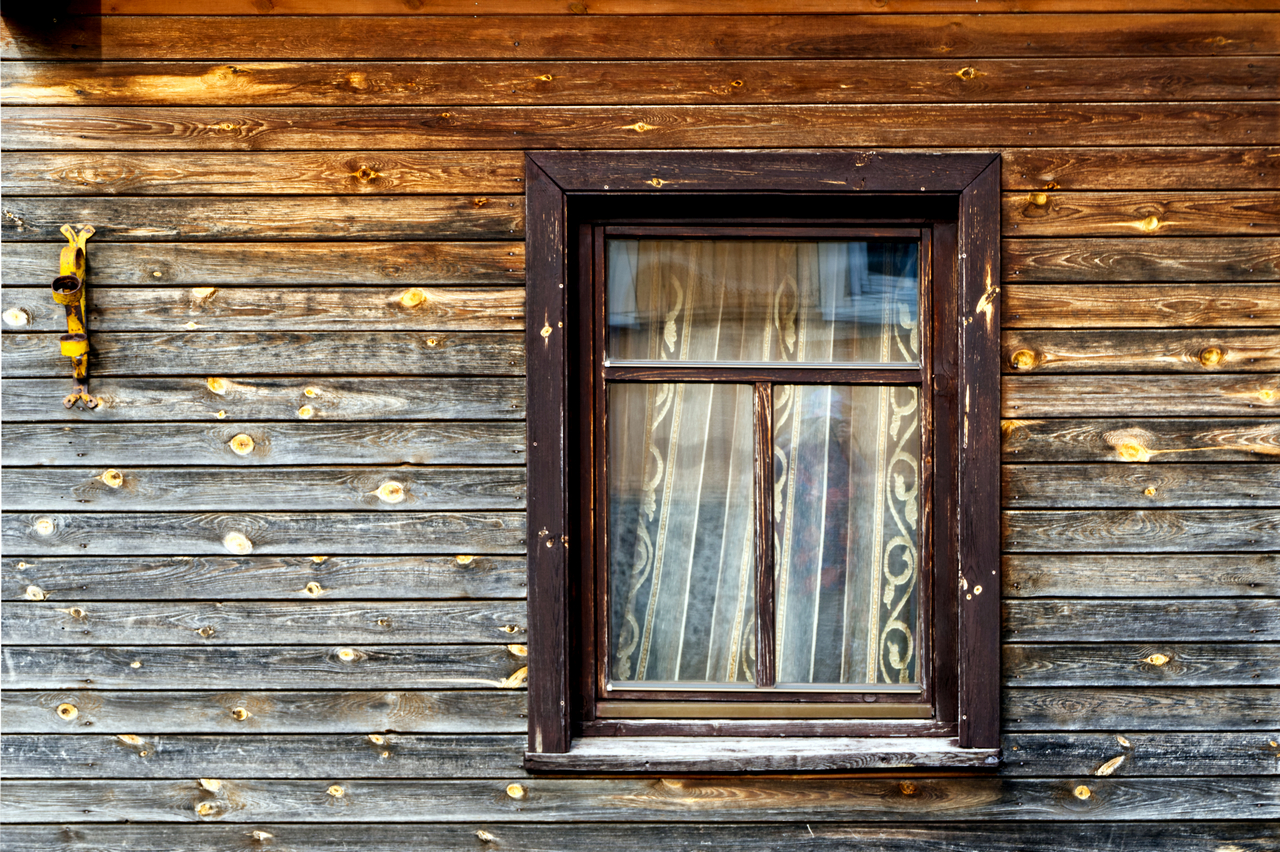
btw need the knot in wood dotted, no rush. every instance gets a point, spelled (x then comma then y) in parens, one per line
(34, 593)
(237, 543)
(413, 297)
(1082, 792)
(1023, 359)
(347, 655)
(391, 492)
(968, 73)
(205, 809)
(67, 711)
(261, 836)
(1039, 199)
(241, 444)
(240, 714)
(1210, 356)
(336, 791)
(217, 385)
(1156, 660)
(211, 785)
(517, 791)
(112, 478)
(364, 174)
(16, 317)
(464, 560)
(907, 788)
(314, 589)
(306, 412)
(44, 526)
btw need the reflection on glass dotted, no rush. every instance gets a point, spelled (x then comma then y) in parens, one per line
(846, 534)
(763, 301)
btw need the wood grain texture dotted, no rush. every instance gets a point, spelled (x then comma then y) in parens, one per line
(1062, 486)
(295, 173)
(277, 711)
(365, 83)
(285, 623)
(1172, 441)
(185, 264)
(643, 37)
(1142, 168)
(1223, 395)
(1137, 214)
(390, 667)
(641, 800)
(1141, 351)
(267, 353)
(1139, 530)
(1103, 755)
(272, 443)
(268, 533)
(255, 578)
(1163, 708)
(247, 128)
(1117, 665)
(272, 399)
(1173, 259)
(474, 217)
(1142, 575)
(1141, 305)
(1177, 620)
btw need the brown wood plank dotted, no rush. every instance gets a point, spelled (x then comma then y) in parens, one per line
(1141, 168)
(1141, 351)
(184, 711)
(216, 398)
(924, 799)
(185, 264)
(1182, 620)
(1102, 755)
(1062, 486)
(275, 667)
(254, 578)
(287, 623)
(259, 309)
(1129, 214)
(641, 37)
(1141, 305)
(1165, 708)
(1145, 575)
(1141, 440)
(1138, 530)
(475, 217)
(881, 125)
(290, 533)
(1142, 259)
(1119, 79)
(267, 444)
(265, 353)
(1150, 396)
(1115, 664)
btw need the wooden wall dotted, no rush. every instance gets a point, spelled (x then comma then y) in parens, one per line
(307, 303)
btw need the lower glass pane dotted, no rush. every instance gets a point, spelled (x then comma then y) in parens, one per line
(846, 534)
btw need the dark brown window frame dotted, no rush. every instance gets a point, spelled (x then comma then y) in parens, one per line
(958, 196)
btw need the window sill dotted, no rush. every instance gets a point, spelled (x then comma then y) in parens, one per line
(761, 754)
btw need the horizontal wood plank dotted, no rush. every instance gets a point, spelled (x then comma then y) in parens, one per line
(1141, 351)
(1063, 486)
(1174, 441)
(1223, 395)
(1107, 665)
(1173, 259)
(296, 533)
(1139, 530)
(390, 667)
(642, 800)
(1164, 708)
(1128, 754)
(266, 353)
(216, 398)
(1141, 575)
(1178, 620)
(240, 623)
(475, 217)
(651, 7)
(1117, 79)
(279, 711)
(187, 264)
(1140, 168)
(1140, 305)
(254, 578)
(1130, 214)
(644, 37)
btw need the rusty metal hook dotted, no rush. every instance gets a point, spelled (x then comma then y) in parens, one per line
(69, 291)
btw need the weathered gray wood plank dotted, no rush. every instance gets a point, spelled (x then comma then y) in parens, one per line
(1149, 396)
(1141, 351)
(246, 712)
(1127, 214)
(1173, 441)
(1141, 259)
(267, 489)
(1140, 530)
(1246, 305)
(1132, 575)
(141, 578)
(1116, 664)
(1126, 754)
(287, 308)
(390, 667)
(296, 533)
(642, 800)
(1062, 486)
(216, 398)
(192, 264)
(1180, 620)
(1164, 708)
(239, 623)
(260, 353)
(1145, 168)
(475, 217)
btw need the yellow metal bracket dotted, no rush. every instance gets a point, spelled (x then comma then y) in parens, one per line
(69, 291)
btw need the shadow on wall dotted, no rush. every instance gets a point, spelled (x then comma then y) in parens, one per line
(35, 30)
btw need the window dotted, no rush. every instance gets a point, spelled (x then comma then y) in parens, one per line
(763, 460)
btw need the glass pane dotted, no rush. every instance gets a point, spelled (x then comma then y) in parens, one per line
(681, 534)
(763, 301)
(846, 534)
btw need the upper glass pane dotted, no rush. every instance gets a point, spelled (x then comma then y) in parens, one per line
(763, 301)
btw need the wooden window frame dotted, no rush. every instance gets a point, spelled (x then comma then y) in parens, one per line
(570, 196)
